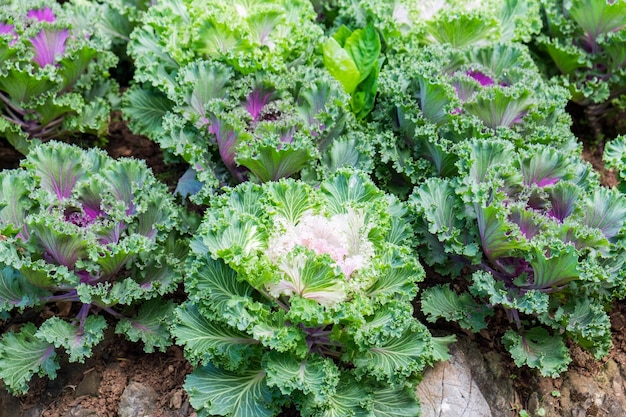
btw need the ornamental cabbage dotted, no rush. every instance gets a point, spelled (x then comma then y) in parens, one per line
(534, 234)
(54, 80)
(82, 235)
(586, 42)
(302, 296)
(248, 36)
(259, 127)
(438, 96)
(458, 23)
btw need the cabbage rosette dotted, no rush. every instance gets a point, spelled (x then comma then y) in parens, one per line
(54, 73)
(534, 234)
(302, 295)
(84, 236)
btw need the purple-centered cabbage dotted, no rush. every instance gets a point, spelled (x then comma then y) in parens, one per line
(260, 127)
(584, 46)
(54, 80)
(100, 235)
(435, 97)
(534, 233)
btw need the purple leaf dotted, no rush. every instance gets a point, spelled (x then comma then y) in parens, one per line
(43, 15)
(227, 140)
(524, 220)
(563, 202)
(257, 99)
(5, 28)
(483, 79)
(48, 44)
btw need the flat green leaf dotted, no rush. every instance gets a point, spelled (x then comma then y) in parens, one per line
(269, 163)
(395, 402)
(216, 392)
(22, 355)
(362, 101)
(363, 46)
(341, 65)
(144, 108)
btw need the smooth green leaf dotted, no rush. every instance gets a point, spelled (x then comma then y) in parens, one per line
(341, 65)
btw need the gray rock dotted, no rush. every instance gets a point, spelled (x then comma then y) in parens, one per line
(80, 411)
(449, 390)
(89, 384)
(470, 384)
(138, 400)
(35, 411)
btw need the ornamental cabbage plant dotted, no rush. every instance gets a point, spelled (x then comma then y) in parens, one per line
(585, 40)
(84, 236)
(249, 36)
(531, 233)
(302, 296)
(405, 24)
(438, 96)
(54, 80)
(259, 127)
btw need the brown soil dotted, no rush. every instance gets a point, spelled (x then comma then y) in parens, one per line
(99, 383)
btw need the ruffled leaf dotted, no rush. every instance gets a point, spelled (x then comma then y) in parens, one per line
(441, 302)
(150, 325)
(23, 355)
(216, 392)
(210, 341)
(77, 341)
(538, 349)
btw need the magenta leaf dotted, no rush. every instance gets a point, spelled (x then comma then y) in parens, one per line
(5, 28)
(43, 15)
(483, 79)
(257, 99)
(48, 44)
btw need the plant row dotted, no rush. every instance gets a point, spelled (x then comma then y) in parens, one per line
(335, 148)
